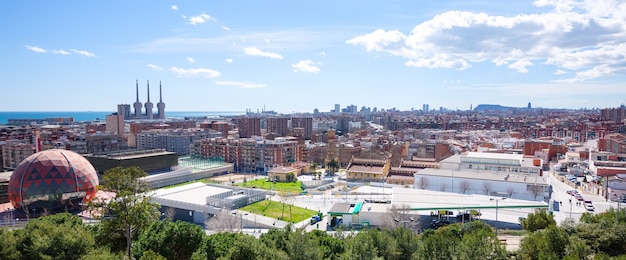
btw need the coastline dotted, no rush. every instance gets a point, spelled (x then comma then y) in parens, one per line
(82, 116)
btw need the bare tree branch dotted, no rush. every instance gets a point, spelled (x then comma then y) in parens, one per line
(423, 184)
(443, 187)
(464, 186)
(510, 191)
(223, 221)
(486, 187)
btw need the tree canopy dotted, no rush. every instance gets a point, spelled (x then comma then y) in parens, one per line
(129, 211)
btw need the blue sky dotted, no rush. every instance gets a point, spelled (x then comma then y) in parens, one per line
(295, 56)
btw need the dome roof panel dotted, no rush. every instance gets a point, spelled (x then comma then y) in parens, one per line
(51, 173)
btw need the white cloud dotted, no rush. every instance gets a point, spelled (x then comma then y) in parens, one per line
(195, 72)
(174, 7)
(155, 67)
(520, 65)
(225, 28)
(241, 84)
(62, 52)
(266, 40)
(560, 72)
(191, 60)
(305, 66)
(200, 19)
(183, 16)
(83, 53)
(323, 53)
(229, 60)
(35, 49)
(252, 51)
(587, 38)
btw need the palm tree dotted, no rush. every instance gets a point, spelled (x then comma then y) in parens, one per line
(333, 166)
(313, 170)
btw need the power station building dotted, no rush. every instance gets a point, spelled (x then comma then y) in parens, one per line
(115, 121)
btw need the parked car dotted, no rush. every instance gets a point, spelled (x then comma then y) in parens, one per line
(440, 223)
(466, 216)
(579, 197)
(572, 192)
(589, 207)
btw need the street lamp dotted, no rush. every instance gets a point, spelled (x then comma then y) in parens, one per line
(241, 220)
(570, 208)
(495, 225)
(12, 219)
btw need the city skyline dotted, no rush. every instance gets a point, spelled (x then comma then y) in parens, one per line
(295, 57)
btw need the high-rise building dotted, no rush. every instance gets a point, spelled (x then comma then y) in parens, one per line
(277, 125)
(249, 126)
(337, 108)
(617, 114)
(115, 121)
(303, 122)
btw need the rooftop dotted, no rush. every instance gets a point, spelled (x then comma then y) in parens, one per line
(486, 175)
(194, 193)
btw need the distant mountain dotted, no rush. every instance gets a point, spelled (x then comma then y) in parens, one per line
(483, 107)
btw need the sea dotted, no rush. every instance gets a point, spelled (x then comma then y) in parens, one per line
(80, 116)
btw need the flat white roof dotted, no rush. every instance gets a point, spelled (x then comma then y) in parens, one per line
(495, 156)
(417, 198)
(194, 193)
(528, 178)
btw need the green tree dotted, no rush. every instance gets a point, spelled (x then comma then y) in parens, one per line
(439, 244)
(538, 220)
(577, 249)
(151, 255)
(407, 241)
(8, 245)
(361, 246)
(332, 247)
(60, 236)
(387, 246)
(303, 247)
(101, 253)
(172, 240)
(277, 238)
(247, 247)
(313, 167)
(290, 177)
(480, 244)
(333, 166)
(130, 210)
(219, 244)
(549, 243)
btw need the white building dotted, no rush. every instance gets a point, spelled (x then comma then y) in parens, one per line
(503, 175)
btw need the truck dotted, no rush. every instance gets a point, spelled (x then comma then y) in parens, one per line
(315, 219)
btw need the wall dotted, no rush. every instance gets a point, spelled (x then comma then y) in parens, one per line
(515, 190)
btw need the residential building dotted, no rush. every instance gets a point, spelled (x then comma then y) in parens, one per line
(249, 126)
(367, 170)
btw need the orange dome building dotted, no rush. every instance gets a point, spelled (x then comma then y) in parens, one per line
(52, 178)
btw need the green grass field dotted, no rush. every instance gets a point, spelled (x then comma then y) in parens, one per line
(292, 187)
(274, 209)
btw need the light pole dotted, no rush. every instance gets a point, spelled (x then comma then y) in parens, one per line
(570, 208)
(12, 220)
(495, 225)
